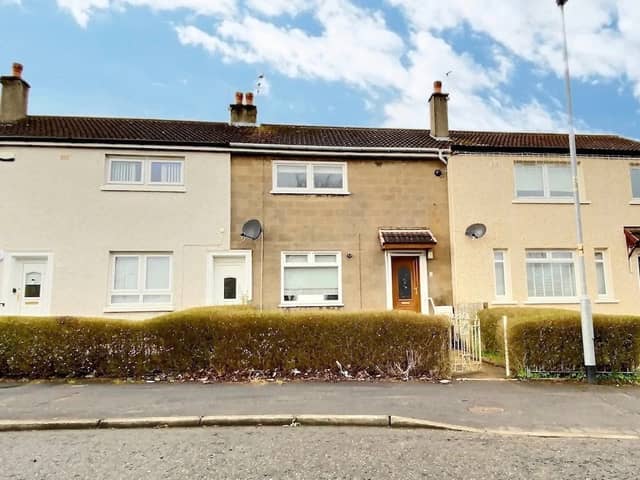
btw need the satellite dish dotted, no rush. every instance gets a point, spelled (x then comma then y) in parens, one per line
(476, 230)
(252, 229)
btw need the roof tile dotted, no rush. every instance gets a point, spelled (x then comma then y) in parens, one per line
(195, 133)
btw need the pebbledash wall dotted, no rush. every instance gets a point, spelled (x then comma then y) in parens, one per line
(481, 189)
(56, 202)
(381, 193)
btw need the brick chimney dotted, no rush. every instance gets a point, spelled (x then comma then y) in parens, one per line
(15, 95)
(439, 112)
(243, 112)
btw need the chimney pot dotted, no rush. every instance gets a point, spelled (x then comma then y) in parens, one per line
(243, 112)
(437, 86)
(17, 70)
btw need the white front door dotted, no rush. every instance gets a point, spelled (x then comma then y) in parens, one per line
(230, 282)
(30, 286)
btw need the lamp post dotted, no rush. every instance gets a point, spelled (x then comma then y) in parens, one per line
(586, 316)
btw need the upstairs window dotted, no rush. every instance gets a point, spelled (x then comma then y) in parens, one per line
(543, 180)
(123, 170)
(635, 183)
(310, 178)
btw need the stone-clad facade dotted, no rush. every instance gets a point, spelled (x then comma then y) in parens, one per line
(382, 193)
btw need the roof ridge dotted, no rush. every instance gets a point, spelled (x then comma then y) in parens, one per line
(525, 132)
(343, 127)
(134, 119)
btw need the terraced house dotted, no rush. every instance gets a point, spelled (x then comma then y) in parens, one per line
(115, 216)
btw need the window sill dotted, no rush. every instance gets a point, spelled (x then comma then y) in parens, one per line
(310, 305)
(547, 201)
(553, 301)
(635, 201)
(313, 192)
(143, 188)
(134, 309)
(606, 300)
(503, 302)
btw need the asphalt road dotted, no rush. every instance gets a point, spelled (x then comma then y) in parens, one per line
(308, 453)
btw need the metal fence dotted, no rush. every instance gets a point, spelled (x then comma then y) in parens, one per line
(464, 342)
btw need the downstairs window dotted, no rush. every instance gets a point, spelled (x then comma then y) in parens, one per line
(311, 278)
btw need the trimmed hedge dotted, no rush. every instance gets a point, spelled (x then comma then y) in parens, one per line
(222, 341)
(491, 323)
(550, 340)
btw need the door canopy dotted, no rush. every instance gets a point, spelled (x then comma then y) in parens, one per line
(406, 238)
(632, 234)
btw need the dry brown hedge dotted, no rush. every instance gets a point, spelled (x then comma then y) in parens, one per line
(223, 340)
(550, 340)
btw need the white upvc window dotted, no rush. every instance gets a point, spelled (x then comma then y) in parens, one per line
(310, 177)
(602, 274)
(501, 275)
(141, 280)
(635, 183)
(543, 180)
(135, 170)
(311, 279)
(551, 275)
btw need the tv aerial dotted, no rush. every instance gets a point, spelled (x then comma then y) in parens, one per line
(259, 83)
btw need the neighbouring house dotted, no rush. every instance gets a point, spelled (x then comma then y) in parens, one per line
(116, 216)
(520, 186)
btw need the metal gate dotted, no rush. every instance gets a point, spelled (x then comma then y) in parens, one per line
(465, 345)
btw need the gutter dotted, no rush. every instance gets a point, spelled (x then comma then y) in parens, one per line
(278, 146)
(343, 151)
(303, 150)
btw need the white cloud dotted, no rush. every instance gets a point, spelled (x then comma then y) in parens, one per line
(532, 30)
(82, 10)
(274, 8)
(476, 101)
(355, 46)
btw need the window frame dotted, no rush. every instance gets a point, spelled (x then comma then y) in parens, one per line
(141, 289)
(311, 254)
(145, 176)
(633, 168)
(506, 275)
(310, 189)
(152, 160)
(112, 158)
(550, 260)
(546, 189)
(606, 273)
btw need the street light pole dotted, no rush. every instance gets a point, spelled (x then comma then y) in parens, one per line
(586, 316)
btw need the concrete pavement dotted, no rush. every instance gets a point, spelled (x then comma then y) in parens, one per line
(507, 406)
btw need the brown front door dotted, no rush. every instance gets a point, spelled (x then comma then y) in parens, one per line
(405, 278)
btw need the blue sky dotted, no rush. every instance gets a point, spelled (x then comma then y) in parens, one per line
(338, 62)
